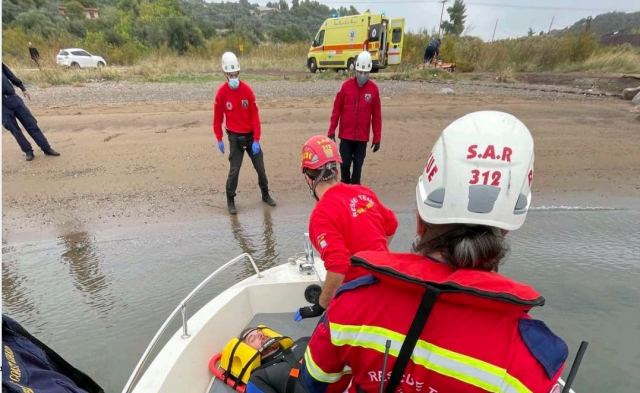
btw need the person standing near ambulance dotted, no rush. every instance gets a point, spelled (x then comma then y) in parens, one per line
(235, 103)
(347, 218)
(444, 318)
(358, 110)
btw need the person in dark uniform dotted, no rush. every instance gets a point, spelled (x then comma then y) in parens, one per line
(29, 365)
(13, 109)
(35, 55)
(433, 51)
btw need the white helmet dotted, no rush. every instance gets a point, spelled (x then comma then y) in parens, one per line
(479, 172)
(363, 62)
(230, 62)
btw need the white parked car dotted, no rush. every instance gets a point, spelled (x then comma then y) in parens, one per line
(79, 58)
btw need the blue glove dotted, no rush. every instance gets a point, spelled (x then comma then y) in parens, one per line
(221, 146)
(297, 317)
(255, 147)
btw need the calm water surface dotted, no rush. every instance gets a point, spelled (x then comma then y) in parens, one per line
(98, 298)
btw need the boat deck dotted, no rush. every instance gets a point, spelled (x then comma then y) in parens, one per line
(282, 323)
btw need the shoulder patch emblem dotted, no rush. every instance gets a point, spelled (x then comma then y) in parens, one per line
(229, 105)
(367, 97)
(245, 104)
(322, 242)
(548, 349)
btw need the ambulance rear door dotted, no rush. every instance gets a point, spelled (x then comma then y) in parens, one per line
(396, 39)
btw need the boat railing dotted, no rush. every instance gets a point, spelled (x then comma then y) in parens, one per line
(182, 308)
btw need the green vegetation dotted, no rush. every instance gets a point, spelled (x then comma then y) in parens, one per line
(129, 30)
(568, 52)
(181, 40)
(457, 16)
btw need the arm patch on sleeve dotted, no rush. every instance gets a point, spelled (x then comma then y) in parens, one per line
(548, 349)
(369, 279)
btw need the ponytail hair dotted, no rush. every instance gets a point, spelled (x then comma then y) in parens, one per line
(463, 246)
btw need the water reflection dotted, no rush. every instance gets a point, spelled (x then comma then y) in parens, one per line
(261, 246)
(15, 295)
(84, 266)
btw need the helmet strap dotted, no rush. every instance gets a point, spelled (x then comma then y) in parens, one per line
(315, 183)
(322, 176)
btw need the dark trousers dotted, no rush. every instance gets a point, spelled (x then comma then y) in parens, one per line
(352, 152)
(238, 145)
(14, 109)
(428, 55)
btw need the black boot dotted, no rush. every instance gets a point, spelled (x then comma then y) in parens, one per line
(266, 198)
(231, 206)
(29, 156)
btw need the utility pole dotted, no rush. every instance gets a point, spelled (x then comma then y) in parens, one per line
(552, 18)
(494, 30)
(441, 13)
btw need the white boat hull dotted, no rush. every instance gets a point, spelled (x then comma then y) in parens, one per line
(185, 360)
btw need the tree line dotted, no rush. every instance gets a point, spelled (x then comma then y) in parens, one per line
(176, 24)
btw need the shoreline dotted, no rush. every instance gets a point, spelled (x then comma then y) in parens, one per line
(144, 154)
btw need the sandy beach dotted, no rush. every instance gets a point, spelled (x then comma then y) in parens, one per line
(139, 154)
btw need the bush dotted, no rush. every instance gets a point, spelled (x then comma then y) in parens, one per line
(544, 53)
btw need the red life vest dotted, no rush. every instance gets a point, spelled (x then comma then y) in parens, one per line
(478, 336)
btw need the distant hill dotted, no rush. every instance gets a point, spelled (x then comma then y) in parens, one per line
(608, 23)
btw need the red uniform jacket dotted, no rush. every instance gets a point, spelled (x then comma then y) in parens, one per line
(478, 335)
(347, 219)
(239, 110)
(358, 110)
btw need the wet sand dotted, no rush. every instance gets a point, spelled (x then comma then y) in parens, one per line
(133, 162)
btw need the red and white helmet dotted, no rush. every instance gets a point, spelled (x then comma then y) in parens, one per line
(318, 151)
(479, 172)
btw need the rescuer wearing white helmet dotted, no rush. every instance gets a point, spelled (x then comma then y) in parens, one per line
(358, 110)
(444, 316)
(235, 103)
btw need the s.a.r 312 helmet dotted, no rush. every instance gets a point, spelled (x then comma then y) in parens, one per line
(479, 172)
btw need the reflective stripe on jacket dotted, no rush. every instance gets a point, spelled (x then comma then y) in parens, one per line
(358, 110)
(478, 336)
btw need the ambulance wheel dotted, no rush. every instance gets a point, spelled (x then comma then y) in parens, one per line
(313, 66)
(351, 65)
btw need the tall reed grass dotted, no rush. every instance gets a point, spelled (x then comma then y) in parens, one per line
(577, 52)
(571, 52)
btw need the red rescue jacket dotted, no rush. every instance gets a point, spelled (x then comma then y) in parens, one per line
(358, 111)
(349, 218)
(239, 110)
(478, 335)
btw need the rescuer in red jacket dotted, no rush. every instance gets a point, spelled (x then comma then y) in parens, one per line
(444, 316)
(357, 108)
(235, 103)
(347, 218)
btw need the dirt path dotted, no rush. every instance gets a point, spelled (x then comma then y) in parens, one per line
(135, 161)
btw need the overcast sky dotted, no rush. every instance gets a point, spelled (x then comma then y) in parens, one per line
(514, 16)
